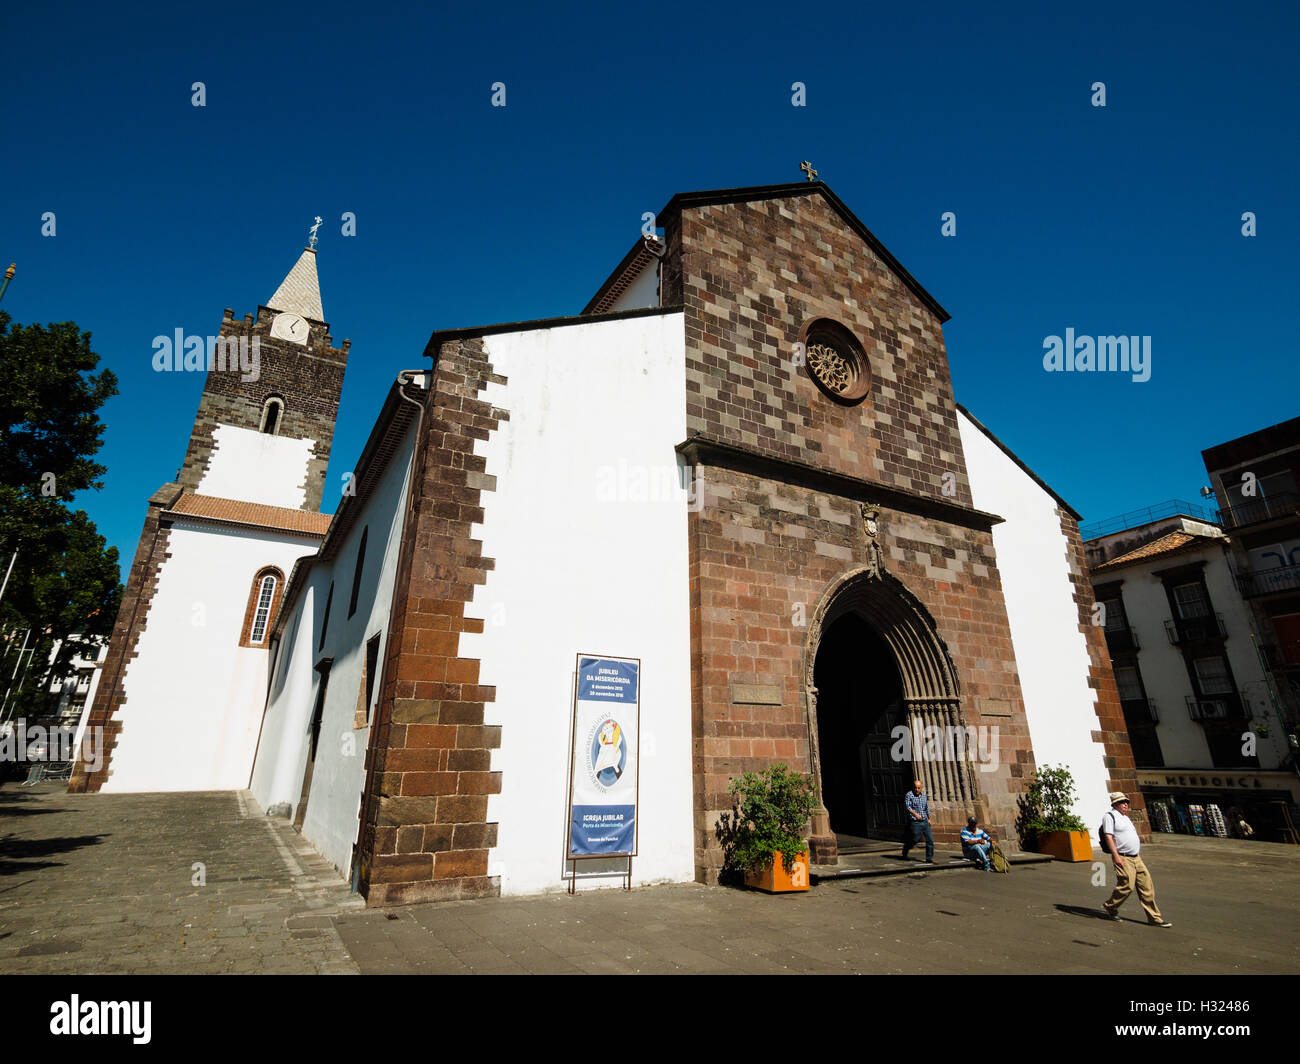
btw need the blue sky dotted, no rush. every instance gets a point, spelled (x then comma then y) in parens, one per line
(1117, 220)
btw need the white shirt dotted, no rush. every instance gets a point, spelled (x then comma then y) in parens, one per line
(1126, 836)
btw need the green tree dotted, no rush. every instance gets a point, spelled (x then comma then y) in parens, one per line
(65, 579)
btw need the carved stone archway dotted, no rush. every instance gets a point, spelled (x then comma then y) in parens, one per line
(931, 692)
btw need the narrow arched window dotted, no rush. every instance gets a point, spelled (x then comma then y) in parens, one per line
(263, 602)
(356, 573)
(272, 414)
(325, 623)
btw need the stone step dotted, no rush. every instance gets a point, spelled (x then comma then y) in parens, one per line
(869, 865)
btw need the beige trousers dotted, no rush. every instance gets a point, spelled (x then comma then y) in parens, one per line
(1135, 871)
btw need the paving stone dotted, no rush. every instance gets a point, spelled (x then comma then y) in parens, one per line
(131, 897)
(1232, 904)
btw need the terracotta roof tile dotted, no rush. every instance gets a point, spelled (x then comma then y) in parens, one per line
(234, 511)
(1172, 543)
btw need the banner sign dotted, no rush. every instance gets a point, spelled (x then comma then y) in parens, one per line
(603, 788)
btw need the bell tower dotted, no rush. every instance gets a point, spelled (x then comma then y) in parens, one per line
(266, 419)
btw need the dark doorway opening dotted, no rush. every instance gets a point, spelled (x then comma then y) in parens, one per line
(859, 704)
(313, 739)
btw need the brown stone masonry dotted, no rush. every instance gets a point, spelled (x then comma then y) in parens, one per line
(752, 275)
(132, 616)
(308, 378)
(424, 830)
(1112, 731)
(762, 556)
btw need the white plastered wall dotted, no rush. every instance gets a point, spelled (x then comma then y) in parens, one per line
(642, 292)
(193, 695)
(588, 530)
(1051, 653)
(339, 773)
(257, 467)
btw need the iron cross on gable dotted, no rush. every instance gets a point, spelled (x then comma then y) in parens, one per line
(807, 168)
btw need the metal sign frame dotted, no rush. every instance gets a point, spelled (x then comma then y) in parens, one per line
(569, 855)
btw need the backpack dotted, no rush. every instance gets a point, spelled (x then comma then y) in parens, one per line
(997, 859)
(1108, 819)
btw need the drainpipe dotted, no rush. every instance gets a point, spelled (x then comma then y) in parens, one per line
(368, 797)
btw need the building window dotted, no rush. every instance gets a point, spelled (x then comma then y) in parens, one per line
(1212, 676)
(325, 621)
(1191, 600)
(356, 573)
(1130, 687)
(272, 415)
(369, 680)
(263, 602)
(1116, 620)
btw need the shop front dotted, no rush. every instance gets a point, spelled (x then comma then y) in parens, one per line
(1222, 803)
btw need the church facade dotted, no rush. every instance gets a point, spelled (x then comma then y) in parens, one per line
(741, 466)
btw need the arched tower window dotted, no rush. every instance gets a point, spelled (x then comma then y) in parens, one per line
(263, 603)
(272, 415)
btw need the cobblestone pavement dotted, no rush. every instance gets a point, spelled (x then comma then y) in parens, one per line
(106, 884)
(103, 883)
(1232, 905)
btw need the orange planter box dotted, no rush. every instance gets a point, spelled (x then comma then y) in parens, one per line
(775, 880)
(1066, 845)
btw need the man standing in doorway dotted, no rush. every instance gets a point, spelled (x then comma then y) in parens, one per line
(1120, 839)
(918, 812)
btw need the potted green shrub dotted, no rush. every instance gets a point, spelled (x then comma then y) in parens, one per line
(1047, 821)
(763, 837)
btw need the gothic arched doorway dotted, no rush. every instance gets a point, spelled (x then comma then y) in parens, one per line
(877, 651)
(859, 706)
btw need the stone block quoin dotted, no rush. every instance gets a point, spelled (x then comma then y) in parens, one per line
(132, 617)
(1120, 764)
(425, 833)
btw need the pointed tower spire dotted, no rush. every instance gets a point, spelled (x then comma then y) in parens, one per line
(299, 292)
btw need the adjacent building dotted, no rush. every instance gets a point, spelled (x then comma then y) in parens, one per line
(1209, 730)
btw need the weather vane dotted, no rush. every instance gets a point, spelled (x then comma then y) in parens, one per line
(312, 243)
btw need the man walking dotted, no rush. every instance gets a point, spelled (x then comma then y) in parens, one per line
(1120, 839)
(918, 811)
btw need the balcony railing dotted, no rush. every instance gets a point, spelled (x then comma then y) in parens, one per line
(1214, 707)
(1269, 581)
(1121, 639)
(1132, 519)
(1254, 511)
(1206, 708)
(1195, 629)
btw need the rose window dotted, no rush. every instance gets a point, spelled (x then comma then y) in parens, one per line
(836, 361)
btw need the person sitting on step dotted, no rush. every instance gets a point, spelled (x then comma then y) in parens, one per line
(976, 843)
